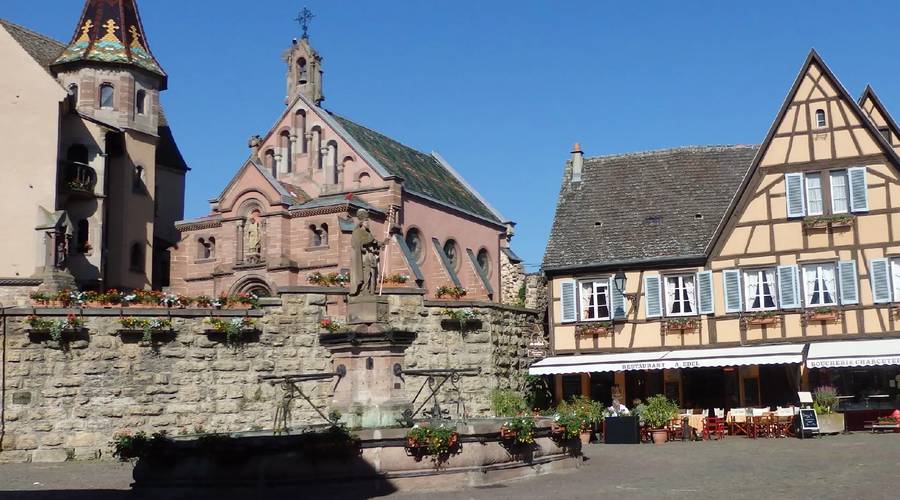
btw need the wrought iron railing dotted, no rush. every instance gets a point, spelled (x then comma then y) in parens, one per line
(79, 177)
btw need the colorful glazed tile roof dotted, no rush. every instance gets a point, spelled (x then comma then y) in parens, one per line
(110, 31)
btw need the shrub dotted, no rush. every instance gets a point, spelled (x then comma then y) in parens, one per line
(523, 427)
(507, 403)
(658, 411)
(127, 446)
(825, 399)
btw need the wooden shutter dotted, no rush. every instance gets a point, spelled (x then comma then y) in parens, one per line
(848, 281)
(859, 193)
(734, 301)
(793, 188)
(616, 300)
(788, 287)
(567, 301)
(705, 300)
(880, 278)
(653, 296)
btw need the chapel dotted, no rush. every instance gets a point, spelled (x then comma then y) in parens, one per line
(285, 218)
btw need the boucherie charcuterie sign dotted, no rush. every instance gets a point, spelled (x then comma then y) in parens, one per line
(860, 361)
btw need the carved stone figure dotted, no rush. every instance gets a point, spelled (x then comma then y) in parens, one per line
(252, 237)
(365, 257)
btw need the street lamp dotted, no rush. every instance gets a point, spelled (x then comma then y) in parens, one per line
(619, 281)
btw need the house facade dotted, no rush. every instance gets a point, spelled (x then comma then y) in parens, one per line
(285, 218)
(735, 276)
(100, 157)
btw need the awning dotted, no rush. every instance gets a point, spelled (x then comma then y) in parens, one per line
(682, 358)
(853, 353)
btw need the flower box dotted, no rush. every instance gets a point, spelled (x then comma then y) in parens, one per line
(826, 316)
(595, 330)
(557, 429)
(506, 433)
(680, 326)
(763, 320)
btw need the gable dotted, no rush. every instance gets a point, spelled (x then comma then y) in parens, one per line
(252, 178)
(758, 222)
(883, 121)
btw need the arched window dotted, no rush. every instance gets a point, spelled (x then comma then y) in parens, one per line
(820, 118)
(270, 162)
(211, 245)
(300, 129)
(138, 182)
(484, 261)
(414, 242)
(323, 232)
(140, 102)
(77, 153)
(107, 94)
(317, 146)
(332, 159)
(287, 150)
(315, 237)
(136, 258)
(301, 71)
(202, 249)
(73, 95)
(83, 236)
(451, 250)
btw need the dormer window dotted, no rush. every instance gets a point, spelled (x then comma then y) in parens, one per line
(820, 118)
(140, 102)
(107, 94)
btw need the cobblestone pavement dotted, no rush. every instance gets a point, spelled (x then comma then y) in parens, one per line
(859, 466)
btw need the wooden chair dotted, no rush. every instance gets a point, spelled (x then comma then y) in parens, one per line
(713, 426)
(740, 423)
(675, 429)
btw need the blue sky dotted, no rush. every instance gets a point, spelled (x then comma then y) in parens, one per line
(501, 89)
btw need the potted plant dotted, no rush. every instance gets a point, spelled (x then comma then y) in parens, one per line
(396, 279)
(146, 326)
(518, 429)
(578, 416)
(825, 402)
(55, 327)
(450, 291)
(330, 325)
(41, 298)
(459, 317)
(657, 413)
(437, 441)
(233, 328)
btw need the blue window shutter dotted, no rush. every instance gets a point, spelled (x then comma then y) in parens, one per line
(705, 300)
(653, 296)
(734, 302)
(793, 189)
(848, 280)
(616, 300)
(880, 278)
(567, 301)
(788, 287)
(859, 192)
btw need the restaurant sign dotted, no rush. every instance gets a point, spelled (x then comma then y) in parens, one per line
(842, 362)
(659, 365)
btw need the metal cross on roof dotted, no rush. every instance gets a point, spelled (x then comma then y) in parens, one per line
(303, 18)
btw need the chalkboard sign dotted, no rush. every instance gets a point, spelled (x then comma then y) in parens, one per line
(809, 421)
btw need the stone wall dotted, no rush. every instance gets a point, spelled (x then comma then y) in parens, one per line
(536, 296)
(69, 399)
(512, 277)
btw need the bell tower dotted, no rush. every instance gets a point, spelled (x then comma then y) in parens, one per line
(304, 65)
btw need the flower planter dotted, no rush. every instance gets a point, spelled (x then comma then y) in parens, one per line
(842, 223)
(660, 436)
(767, 321)
(466, 324)
(680, 327)
(585, 436)
(832, 423)
(557, 429)
(823, 316)
(239, 306)
(507, 433)
(587, 331)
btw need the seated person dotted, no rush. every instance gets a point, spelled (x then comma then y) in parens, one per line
(617, 409)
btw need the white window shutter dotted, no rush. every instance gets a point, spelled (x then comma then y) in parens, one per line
(653, 296)
(788, 287)
(880, 278)
(848, 280)
(567, 301)
(793, 188)
(733, 297)
(859, 192)
(705, 300)
(616, 300)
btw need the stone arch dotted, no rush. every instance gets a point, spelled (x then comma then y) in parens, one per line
(253, 284)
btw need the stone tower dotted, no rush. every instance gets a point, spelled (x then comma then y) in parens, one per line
(114, 82)
(304, 71)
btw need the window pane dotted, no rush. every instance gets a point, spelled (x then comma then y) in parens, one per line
(587, 300)
(106, 96)
(814, 194)
(839, 194)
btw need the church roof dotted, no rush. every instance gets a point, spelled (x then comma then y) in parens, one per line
(423, 174)
(110, 31)
(645, 206)
(43, 49)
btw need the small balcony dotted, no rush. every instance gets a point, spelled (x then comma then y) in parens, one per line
(79, 178)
